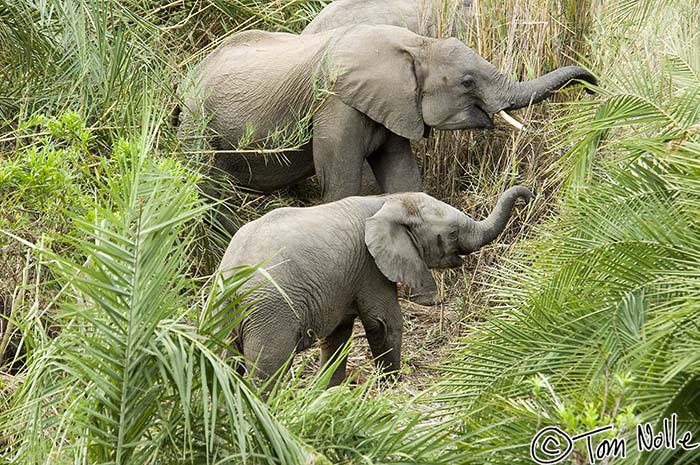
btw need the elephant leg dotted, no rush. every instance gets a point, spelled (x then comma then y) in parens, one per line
(330, 346)
(384, 339)
(339, 171)
(338, 179)
(381, 317)
(396, 170)
(267, 352)
(342, 139)
(394, 166)
(370, 186)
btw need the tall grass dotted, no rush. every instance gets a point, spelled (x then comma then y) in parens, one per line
(110, 354)
(594, 319)
(525, 39)
(470, 169)
(93, 56)
(77, 77)
(102, 360)
(128, 378)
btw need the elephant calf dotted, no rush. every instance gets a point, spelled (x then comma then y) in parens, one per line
(339, 261)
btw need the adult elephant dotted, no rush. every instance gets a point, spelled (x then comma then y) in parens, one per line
(366, 91)
(432, 18)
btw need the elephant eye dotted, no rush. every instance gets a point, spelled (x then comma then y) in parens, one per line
(454, 234)
(468, 82)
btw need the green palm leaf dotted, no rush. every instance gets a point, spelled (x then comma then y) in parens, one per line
(594, 320)
(129, 379)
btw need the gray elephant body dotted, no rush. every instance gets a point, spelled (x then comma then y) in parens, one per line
(249, 88)
(339, 261)
(432, 18)
(370, 89)
(245, 86)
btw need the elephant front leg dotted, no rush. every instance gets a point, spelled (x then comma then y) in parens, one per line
(339, 169)
(385, 344)
(396, 170)
(384, 328)
(342, 139)
(394, 166)
(330, 347)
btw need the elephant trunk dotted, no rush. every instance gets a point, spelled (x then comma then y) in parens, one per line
(487, 230)
(536, 90)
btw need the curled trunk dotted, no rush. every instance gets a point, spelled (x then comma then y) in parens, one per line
(487, 230)
(536, 90)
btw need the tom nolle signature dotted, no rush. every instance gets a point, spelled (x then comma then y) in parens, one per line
(552, 445)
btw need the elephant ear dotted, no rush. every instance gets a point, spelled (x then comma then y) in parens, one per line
(388, 241)
(377, 77)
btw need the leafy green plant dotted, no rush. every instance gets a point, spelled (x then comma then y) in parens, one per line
(110, 352)
(98, 56)
(50, 174)
(129, 378)
(601, 302)
(366, 423)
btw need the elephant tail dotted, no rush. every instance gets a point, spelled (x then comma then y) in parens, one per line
(236, 349)
(237, 353)
(234, 354)
(175, 116)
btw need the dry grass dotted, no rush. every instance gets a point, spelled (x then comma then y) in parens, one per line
(470, 169)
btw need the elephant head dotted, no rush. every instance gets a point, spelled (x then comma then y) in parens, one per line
(406, 82)
(413, 232)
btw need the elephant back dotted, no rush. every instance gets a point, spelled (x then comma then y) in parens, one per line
(431, 18)
(254, 84)
(315, 257)
(346, 12)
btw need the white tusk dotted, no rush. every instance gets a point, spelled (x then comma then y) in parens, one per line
(510, 120)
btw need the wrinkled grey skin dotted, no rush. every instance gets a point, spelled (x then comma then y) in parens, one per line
(341, 260)
(432, 18)
(389, 86)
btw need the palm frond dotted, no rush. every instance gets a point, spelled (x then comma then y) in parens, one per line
(129, 379)
(594, 319)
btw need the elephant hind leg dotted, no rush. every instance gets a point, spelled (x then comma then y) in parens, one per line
(268, 355)
(330, 346)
